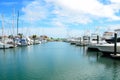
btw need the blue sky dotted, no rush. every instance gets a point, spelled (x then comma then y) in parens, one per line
(60, 18)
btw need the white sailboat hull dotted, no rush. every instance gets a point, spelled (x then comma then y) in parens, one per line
(5, 46)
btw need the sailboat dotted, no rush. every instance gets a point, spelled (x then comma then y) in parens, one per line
(3, 43)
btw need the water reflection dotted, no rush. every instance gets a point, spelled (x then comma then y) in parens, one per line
(111, 66)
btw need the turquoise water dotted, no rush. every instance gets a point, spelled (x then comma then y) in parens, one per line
(56, 61)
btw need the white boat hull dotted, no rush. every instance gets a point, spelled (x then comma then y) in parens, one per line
(5, 46)
(109, 48)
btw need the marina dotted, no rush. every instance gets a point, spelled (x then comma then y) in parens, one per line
(108, 44)
(59, 40)
(56, 61)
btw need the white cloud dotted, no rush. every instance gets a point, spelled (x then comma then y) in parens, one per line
(92, 7)
(113, 27)
(75, 33)
(65, 12)
(71, 11)
(115, 1)
(58, 24)
(34, 11)
(69, 16)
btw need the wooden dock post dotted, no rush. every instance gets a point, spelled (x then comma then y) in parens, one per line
(97, 39)
(80, 40)
(88, 39)
(115, 43)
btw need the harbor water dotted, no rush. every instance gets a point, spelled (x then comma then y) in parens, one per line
(56, 61)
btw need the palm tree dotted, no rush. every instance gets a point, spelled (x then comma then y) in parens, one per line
(20, 35)
(34, 37)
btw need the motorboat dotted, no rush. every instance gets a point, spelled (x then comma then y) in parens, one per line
(105, 47)
(108, 48)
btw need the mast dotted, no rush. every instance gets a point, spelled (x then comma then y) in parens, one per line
(17, 22)
(3, 28)
(3, 31)
(13, 21)
(2, 25)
